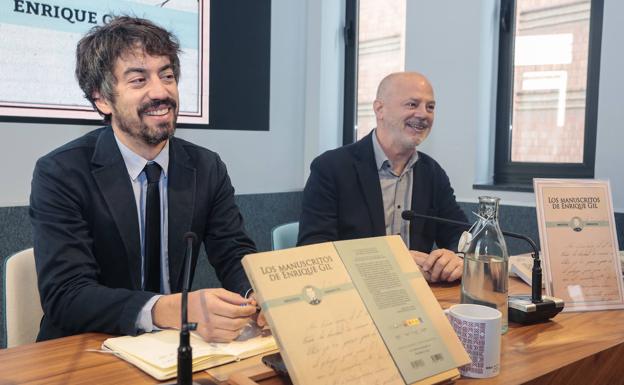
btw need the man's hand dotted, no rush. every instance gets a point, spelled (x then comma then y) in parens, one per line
(220, 314)
(439, 265)
(260, 320)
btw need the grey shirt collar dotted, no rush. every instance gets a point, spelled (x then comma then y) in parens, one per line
(381, 158)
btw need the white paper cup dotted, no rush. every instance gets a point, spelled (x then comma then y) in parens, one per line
(479, 329)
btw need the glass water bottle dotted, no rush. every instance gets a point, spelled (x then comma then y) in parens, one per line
(485, 278)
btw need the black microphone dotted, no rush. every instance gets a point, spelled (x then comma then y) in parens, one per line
(185, 352)
(540, 309)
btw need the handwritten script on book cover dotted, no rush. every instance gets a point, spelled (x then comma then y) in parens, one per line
(347, 312)
(579, 243)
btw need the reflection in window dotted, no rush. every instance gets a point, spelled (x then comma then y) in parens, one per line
(550, 79)
(381, 51)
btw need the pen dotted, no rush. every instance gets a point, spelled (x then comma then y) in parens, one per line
(258, 308)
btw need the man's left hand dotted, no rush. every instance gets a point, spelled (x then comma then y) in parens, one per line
(439, 265)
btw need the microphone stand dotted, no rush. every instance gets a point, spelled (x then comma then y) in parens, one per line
(185, 351)
(545, 312)
(536, 276)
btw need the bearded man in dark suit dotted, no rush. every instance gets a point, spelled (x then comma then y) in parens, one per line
(110, 209)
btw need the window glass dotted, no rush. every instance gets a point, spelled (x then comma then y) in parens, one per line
(381, 50)
(549, 80)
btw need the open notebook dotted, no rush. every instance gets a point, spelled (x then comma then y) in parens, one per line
(157, 353)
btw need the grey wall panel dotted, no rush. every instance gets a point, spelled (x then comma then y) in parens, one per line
(261, 213)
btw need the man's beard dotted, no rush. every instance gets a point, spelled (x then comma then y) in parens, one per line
(159, 133)
(421, 128)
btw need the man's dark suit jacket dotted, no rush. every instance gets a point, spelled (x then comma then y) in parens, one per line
(342, 200)
(87, 240)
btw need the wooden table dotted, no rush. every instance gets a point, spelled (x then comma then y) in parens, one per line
(575, 348)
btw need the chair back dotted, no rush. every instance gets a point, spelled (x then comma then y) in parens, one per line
(22, 306)
(284, 236)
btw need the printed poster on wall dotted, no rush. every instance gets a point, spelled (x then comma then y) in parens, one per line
(579, 243)
(38, 47)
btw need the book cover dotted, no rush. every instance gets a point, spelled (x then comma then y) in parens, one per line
(157, 353)
(579, 242)
(354, 312)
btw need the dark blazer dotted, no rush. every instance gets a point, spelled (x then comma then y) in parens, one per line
(342, 200)
(87, 240)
